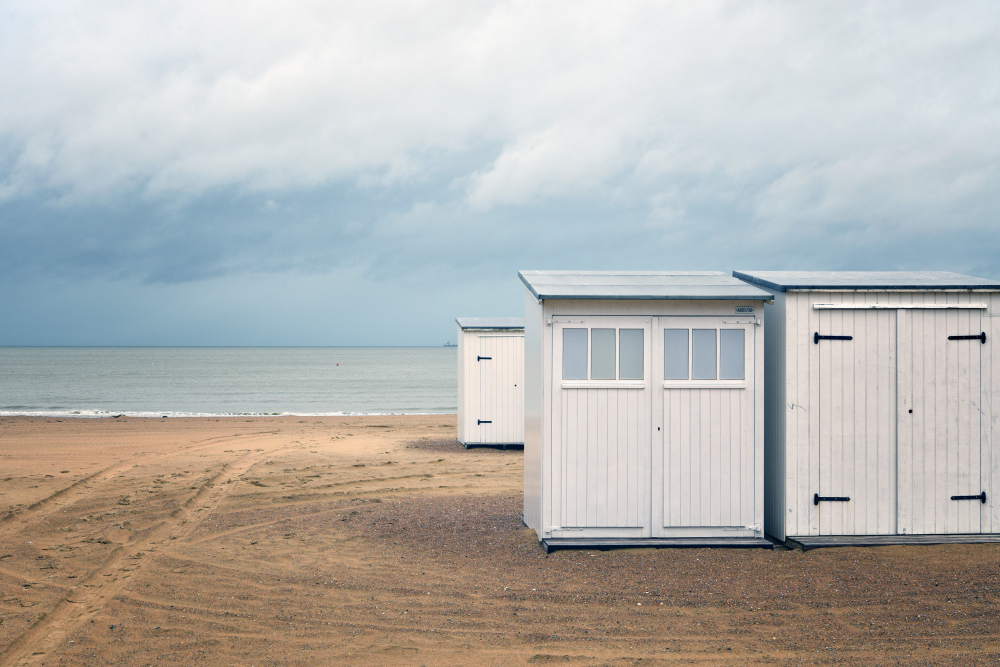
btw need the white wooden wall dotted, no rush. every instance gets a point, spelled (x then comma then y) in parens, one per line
(599, 481)
(536, 363)
(501, 388)
(491, 390)
(940, 381)
(857, 422)
(707, 468)
(606, 468)
(796, 426)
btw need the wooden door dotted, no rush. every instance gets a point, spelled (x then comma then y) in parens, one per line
(600, 427)
(703, 438)
(500, 419)
(856, 494)
(940, 389)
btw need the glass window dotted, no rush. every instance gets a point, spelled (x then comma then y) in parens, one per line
(731, 354)
(703, 354)
(630, 355)
(602, 354)
(675, 354)
(574, 354)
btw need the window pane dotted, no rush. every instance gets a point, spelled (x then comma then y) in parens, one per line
(574, 354)
(703, 354)
(731, 354)
(602, 354)
(675, 354)
(630, 366)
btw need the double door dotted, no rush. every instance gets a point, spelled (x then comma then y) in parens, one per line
(899, 421)
(653, 426)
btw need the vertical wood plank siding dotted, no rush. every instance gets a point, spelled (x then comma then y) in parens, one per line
(838, 418)
(707, 464)
(604, 431)
(491, 390)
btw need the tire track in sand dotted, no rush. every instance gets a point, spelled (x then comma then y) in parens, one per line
(86, 599)
(81, 489)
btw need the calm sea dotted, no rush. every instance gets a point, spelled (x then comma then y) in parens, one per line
(189, 381)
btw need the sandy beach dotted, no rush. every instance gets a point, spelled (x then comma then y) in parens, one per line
(379, 540)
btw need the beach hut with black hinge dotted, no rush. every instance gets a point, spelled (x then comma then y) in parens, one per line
(880, 412)
(643, 409)
(490, 385)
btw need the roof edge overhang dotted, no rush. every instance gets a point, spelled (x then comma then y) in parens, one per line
(555, 296)
(835, 287)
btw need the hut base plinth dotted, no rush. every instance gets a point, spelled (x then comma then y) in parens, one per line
(506, 445)
(551, 544)
(807, 542)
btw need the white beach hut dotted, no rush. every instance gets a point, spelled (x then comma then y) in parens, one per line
(880, 417)
(490, 386)
(643, 409)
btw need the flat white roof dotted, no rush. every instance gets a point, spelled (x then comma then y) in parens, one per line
(713, 285)
(877, 280)
(490, 322)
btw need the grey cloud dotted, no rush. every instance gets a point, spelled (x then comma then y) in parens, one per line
(454, 142)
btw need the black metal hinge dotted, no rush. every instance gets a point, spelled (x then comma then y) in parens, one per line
(981, 496)
(481, 358)
(817, 338)
(837, 499)
(482, 421)
(981, 337)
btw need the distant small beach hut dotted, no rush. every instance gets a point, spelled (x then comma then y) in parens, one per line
(880, 417)
(490, 385)
(643, 409)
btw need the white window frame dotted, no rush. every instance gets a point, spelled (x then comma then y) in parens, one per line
(692, 323)
(616, 322)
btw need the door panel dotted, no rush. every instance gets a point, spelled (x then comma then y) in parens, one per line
(857, 425)
(703, 453)
(501, 397)
(939, 445)
(601, 441)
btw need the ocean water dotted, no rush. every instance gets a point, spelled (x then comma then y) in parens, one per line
(216, 381)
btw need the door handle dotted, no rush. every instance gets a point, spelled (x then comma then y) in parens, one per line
(480, 422)
(481, 358)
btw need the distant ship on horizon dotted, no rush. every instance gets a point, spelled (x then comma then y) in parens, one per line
(450, 344)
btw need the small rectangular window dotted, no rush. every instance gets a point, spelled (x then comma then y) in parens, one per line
(675, 354)
(703, 354)
(574, 354)
(731, 354)
(630, 355)
(602, 354)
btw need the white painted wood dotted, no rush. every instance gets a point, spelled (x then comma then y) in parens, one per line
(942, 450)
(597, 460)
(534, 373)
(600, 440)
(705, 471)
(492, 389)
(856, 377)
(904, 469)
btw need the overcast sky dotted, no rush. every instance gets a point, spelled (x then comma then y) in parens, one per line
(360, 173)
